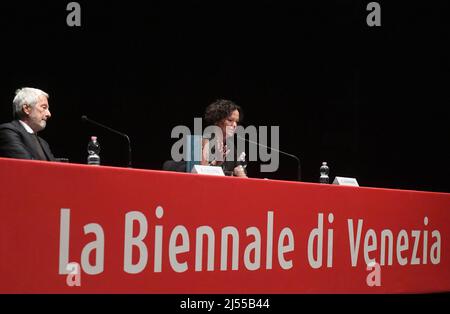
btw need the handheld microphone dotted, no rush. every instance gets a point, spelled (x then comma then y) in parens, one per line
(299, 173)
(86, 119)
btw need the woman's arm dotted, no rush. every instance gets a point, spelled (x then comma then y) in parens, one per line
(205, 152)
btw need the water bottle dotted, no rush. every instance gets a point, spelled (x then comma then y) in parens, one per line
(324, 171)
(242, 163)
(241, 160)
(93, 149)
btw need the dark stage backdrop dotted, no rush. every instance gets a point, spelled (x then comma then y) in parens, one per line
(371, 101)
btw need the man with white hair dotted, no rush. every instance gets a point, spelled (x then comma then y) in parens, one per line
(19, 139)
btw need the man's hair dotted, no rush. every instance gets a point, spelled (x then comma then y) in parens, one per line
(26, 96)
(221, 109)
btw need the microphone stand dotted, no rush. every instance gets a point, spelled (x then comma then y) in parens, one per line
(84, 118)
(299, 169)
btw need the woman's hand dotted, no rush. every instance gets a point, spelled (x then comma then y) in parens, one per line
(239, 172)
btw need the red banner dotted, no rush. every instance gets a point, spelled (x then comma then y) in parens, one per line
(86, 229)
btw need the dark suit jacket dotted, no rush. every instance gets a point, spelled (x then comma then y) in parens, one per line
(16, 142)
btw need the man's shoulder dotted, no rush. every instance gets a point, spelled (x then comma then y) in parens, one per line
(13, 125)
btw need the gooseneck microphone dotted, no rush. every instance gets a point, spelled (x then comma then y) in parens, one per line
(86, 119)
(299, 170)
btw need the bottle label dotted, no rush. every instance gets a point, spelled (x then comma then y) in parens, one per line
(93, 159)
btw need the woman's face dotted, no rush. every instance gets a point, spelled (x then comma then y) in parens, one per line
(229, 124)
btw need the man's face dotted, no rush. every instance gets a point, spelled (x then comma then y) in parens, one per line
(37, 116)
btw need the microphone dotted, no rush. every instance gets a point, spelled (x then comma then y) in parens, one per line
(299, 170)
(86, 119)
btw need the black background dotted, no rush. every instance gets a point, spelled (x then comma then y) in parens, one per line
(279, 303)
(371, 101)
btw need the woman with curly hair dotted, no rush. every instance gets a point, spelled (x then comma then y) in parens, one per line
(225, 115)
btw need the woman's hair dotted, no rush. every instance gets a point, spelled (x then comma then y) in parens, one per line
(221, 109)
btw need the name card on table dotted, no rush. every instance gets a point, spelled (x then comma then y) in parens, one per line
(210, 170)
(345, 181)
